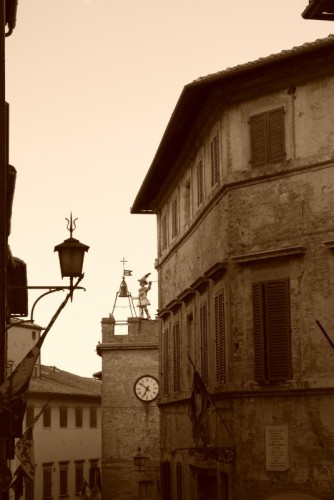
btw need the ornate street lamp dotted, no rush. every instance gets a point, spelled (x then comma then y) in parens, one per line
(71, 256)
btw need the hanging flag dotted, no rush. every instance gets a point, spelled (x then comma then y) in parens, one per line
(199, 408)
(127, 272)
(24, 449)
(17, 483)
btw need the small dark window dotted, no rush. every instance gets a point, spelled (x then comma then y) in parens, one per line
(63, 417)
(78, 417)
(47, 417)
(267, 137)
(92, 417)
(272, 336)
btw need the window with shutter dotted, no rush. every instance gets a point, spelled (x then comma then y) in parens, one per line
(92, 417)
(203, 321)
(220, 337)
(272, 336)
(163, 232)
(47, 417)
(63, 417)
(214, 161)
(175, 226)
(78, 417)
(177, 357)
(165, 367)
(267, 137)
(200, 183)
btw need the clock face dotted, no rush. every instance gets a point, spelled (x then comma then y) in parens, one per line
(146, 388)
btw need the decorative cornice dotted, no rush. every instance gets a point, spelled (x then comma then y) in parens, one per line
(269, 254)
(186, 295)
(216, 271)
(201, 284)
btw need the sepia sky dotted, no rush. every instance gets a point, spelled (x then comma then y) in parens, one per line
(91, 86)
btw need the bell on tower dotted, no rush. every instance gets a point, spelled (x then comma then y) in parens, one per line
(123, 293)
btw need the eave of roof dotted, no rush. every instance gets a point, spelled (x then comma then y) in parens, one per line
(56, 382)
(191, 100)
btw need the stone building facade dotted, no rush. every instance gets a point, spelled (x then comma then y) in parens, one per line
(243, 188)
(130, 426)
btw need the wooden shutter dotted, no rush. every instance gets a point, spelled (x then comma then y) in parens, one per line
(214, 157)
(177, 357)
(174, 219)
(278, 330)
(259, 341)
(276, 146)
(165, 367)
(258, 139)
(163, 232)
(63, 417)
(93, 417)
(79, 477)
(267, 137)
(47, 417)
(204, 343)
(220, 337)
(200, 183)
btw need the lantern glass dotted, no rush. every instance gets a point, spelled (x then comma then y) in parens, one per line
(71, 256)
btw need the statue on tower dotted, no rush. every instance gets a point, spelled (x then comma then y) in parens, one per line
(143, 301)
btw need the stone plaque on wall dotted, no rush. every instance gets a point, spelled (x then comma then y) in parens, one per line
(277, 447)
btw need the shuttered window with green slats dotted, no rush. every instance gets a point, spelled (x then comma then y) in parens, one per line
(267, 137)
(272, 332)
(214, 161)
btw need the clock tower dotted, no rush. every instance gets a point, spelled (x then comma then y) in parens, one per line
(130, 414)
